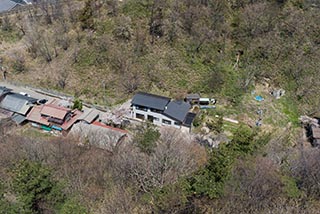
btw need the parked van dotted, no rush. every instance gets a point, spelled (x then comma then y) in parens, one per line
(206, 101)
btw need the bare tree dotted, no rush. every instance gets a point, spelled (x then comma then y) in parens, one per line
(173, 157)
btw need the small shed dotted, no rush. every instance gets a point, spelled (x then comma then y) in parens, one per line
(19, 119)
(192, 98)
(315, 136)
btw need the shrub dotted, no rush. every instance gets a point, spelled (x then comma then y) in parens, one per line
(77, 104)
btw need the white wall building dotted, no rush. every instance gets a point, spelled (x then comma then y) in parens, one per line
(162, 111)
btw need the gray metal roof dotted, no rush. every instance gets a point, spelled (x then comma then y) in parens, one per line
(177, 110)
(23, 97)
(7, 5)
(17, 103)
(89, 115)
(193, 96)
(19, 1)
(150, 101)
(4, 90)
(18, 118)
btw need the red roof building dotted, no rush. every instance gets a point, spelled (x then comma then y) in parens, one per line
(54, 116)
(54, 111)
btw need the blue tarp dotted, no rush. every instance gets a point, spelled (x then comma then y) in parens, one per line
(56, 128)
(259, 98)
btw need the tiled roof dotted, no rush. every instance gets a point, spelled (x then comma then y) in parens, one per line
(150, 100)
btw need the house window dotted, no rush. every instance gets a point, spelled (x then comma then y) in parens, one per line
(168, 122)
(140, 116)
(141, 108)
(152, 118)
(155, 110)
(177, 123)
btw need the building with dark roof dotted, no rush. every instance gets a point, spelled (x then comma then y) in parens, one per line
(17, 103)
(177, 110)
(162, 111)
(150, 101)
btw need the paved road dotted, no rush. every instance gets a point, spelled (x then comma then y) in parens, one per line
(41, 94)
(27, 90)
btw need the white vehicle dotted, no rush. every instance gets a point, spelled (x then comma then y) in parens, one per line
(24, 94)
(207, 101)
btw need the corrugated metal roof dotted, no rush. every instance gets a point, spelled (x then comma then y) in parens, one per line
(23, 97)
(7, 5)
(150, 101)
(35, 116)
(55, 111)
(18, 118)
(16, 104)
(177, 110)
(75, 116)
(89, 115)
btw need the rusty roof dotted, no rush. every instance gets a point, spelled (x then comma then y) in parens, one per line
(55, 111)
(35, 116)
(74, 117)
